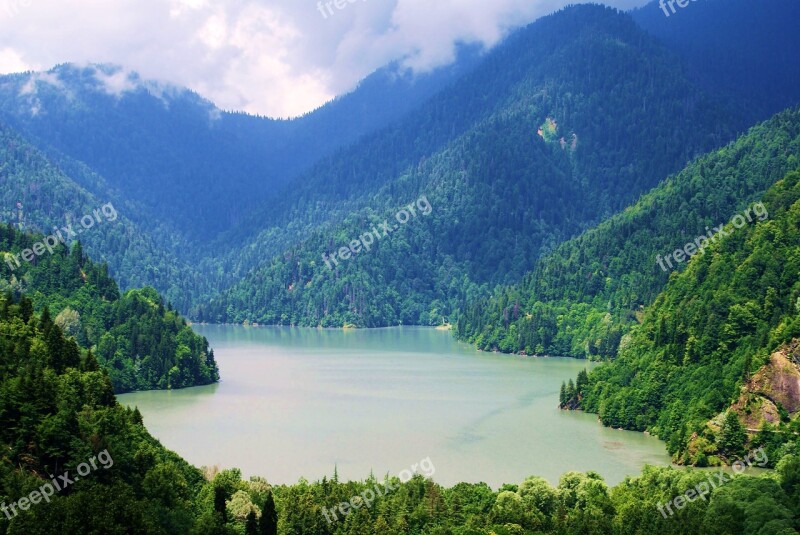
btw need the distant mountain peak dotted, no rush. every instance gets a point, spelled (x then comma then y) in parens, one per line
(116, 80)
(74, 83)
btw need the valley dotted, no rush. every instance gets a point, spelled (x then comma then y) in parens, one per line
(533, 270)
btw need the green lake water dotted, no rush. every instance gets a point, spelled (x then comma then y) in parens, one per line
(296, 403)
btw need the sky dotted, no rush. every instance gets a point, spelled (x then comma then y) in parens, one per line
(277, 58)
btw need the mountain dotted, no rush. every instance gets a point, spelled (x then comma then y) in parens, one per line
(746, 53)
(211, 198)
(76, 138)
(223, 213)
(186, 163)
(581, 299)
(40, 195)
(706, 334)
(562, 125)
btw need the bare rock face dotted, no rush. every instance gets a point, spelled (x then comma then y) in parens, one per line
(793, 352)
(776, 384)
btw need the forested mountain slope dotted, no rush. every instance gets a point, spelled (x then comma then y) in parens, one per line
(565, 123)
(182, 161)
(215, 196)
(580, 300)
(139, 341)
(716, 323)
(38, 195)
(59, 411)
(744, 52)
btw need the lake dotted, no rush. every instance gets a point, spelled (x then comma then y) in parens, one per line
(297, 403)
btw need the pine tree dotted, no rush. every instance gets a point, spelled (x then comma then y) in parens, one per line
(220, 505)
(26, 309)
(562, 397)
(137, 416)
(269, 517)
(90, 363)
(382, 527)
(732, 436)
(251, 524)
(45, 321)
(581, 382)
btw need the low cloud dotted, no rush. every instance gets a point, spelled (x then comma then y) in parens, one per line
(269, 57)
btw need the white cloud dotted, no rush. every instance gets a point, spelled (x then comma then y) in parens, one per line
(271, 57)
(11, 61)
(116, 83)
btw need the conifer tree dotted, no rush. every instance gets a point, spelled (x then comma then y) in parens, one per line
(732, 437)
(220, 505)
(269, 517)
(251, 524)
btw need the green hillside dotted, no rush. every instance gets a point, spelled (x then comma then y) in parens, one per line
(502, 192)
(141, 342)
(58, 411)
(713, 327)
(581, 299)
(38, 194)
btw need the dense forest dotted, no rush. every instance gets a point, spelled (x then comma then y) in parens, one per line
(163, 148)
(503, 189)
(39, 193)
(757, 76)
(60, 413)
(58, 410)
(223, 213)
(580, 300)
(715, 325)
(141, 342)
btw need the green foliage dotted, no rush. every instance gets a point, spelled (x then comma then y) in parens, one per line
(269, 517)
(53, 196)
(581, 300)
(140, 343)
(579, 504)
(733, 305)
(501, 195)
(732, 437)
(57, 413)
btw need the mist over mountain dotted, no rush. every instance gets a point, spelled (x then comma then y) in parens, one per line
(621, 187)
(221, 194)
(186, 163)
(544, 138)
